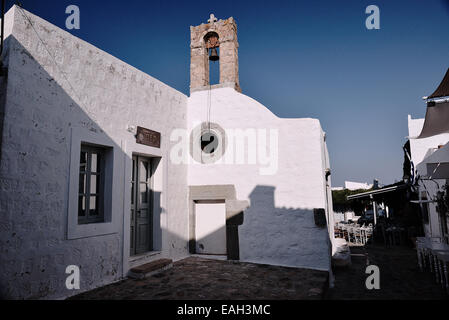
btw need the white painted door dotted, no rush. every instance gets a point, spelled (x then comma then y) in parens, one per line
(210, 228)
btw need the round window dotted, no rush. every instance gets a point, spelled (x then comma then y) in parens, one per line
(209, 142)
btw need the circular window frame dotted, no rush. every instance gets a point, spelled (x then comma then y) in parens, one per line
(196, 150)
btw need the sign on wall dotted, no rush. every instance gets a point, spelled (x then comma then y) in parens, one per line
(148, 137)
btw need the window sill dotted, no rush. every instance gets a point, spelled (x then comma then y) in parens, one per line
(86, 223)
(80, 231)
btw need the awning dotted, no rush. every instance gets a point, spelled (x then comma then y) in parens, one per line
(443, 89)
(377, 191)
(437, 116)
(437, 120)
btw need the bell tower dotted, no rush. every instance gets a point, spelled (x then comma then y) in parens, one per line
(206, 39)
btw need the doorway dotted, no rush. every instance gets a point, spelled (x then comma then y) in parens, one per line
(141, 206)
(210, 222)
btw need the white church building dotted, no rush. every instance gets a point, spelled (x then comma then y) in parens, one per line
(106, 168)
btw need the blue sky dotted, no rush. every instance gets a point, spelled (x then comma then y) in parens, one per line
(298, 58)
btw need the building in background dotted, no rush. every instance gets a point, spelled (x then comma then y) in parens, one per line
(345, 214)
(429, 149)
(357, 185)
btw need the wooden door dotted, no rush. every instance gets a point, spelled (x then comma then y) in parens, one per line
(141, 206)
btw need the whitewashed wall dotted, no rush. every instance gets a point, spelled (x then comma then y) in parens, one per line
(422, 148)
(279, 226)
(425, 151)
(440, 178)
(41, 112)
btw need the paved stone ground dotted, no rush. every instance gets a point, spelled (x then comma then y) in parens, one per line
(400, 277)
(205, 279)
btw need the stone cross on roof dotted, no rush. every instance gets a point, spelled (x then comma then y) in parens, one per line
(212, 19)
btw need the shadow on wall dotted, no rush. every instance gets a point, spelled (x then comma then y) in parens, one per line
(282, 236)
(35, 173)
(35, 177)
(264, 234)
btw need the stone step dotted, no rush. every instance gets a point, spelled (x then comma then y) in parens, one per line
(149, 269)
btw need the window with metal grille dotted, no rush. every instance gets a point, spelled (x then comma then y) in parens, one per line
(91, 185)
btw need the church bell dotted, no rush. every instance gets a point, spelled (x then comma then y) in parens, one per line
(214, 55)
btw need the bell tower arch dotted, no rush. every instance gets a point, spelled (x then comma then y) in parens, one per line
(206, 39)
